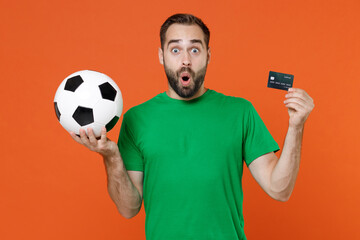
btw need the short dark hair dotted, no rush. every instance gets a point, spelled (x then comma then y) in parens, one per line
(186, 19)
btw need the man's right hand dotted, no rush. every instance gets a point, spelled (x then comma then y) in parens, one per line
(103, 146)
(125, 188)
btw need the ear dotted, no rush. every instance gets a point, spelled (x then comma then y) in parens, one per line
(208, 55)
(161, 56)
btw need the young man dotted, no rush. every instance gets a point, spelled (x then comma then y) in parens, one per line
(183, 150)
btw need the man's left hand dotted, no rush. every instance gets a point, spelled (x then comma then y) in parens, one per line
(299, 105)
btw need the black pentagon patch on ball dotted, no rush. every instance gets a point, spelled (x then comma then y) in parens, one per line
(73, 83)
(107, 91)
(112, 123)
(57, 112)
(83, 116)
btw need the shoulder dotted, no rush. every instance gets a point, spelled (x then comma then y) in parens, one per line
(144, 107)
(232, 101)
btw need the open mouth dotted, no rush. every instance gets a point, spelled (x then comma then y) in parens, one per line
(185, 78)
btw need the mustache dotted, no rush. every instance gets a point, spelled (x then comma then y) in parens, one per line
(185, 69)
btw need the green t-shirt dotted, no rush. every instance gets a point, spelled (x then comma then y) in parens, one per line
(191, 153)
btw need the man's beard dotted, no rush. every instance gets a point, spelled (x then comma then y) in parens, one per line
(192, 88)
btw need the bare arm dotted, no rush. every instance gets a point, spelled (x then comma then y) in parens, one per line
(124, 187)
(277, 176)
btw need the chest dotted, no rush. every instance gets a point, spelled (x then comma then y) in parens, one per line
(182, 140)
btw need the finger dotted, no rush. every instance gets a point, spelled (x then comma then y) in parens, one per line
(84, 138)
(299, 101)
(303, 107)
(91, 135)
(299, 94)
(302, 92)
(103, 137)
(295, 90)
(75, 137)
(295, 106)
(307, 104)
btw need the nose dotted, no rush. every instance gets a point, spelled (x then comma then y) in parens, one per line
(186, 61)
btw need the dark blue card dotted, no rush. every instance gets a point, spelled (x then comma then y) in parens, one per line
(281, 81)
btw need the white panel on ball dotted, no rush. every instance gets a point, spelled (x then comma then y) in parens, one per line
(88, 94)
(104, 111)
(119, 102)
(66, 100)
(69, 124)
(97, 129)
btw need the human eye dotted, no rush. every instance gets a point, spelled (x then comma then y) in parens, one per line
(175, 50)
(194, 50)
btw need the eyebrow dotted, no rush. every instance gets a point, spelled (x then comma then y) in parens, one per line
(179, 40)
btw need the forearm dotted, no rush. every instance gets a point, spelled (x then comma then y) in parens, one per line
(285, 172)
(121, 190)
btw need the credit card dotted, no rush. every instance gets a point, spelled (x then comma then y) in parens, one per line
(281, 81)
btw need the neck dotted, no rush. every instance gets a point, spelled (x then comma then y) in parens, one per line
(171, 93)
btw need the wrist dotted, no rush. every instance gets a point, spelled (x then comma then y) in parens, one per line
(112, 156)
(296, 128)
(112, 160)
(110, 151)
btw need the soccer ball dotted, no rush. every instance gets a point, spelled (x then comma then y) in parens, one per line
(88, 99)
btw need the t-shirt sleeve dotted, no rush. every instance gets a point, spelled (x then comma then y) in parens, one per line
(129, 151)
(257, 138)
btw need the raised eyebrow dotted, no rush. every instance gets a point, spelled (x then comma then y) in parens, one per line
(197, 41)
(173, 41)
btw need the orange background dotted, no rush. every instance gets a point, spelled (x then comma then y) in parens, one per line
(53, 188)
